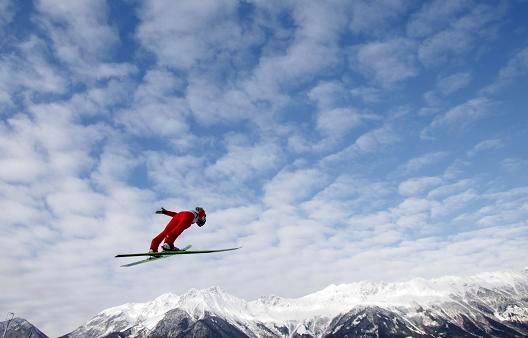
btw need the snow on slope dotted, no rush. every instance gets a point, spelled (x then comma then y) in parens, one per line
(336, 299)
(327, 303)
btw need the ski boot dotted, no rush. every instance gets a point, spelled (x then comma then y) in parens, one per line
(169, 247)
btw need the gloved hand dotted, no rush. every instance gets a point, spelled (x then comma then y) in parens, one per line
(162, 211)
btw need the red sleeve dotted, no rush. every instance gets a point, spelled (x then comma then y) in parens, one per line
(170, 213)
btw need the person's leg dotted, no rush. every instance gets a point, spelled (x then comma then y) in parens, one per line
(173, 234)
(157, 240)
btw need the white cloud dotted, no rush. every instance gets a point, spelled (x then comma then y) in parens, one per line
(246, 162)
(100, 100)
(66, 141)
(432, 98)
(435, 15)
(457, 169)
(30, 70)
(446, 190)
(49, 144)
(168, 170)
(114, 164)
(113, 71)
(186, 179)
(459, 116)
(5, 99)
(82, 36)
(339, 121)
(388, 61)
(485, 145)
(500, 208)
(444, 44)
(509, 207)
(369, 142)
(19, 205)
(305, 58)
(20, 162)
(515, 165)
(312, 50)
(320, 22)
(211, 103)
(418, 185)
(372, 18)
(453, 83)
(345, 198)
(290, 58)
(159, 83)
(163, 119)
(415, 215)
(157, 108)
(455, 203)
(334, 117)
(328, 94)
(185, 32)
(7, 13)
(289, 187)
(446, 85)
(417, 163)
(460, 36)
(433, 104)
(516, 67)
(367, 94)
(84, 19)
(214, 35)
(77, 207)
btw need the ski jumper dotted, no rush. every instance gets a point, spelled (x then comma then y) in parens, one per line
(179, 222)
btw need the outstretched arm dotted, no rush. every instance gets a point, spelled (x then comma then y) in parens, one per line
(166, 212)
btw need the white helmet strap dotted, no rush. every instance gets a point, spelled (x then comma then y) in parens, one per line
(195, 216)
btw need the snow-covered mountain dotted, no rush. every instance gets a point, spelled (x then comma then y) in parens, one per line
(484, 305)
(18, 327)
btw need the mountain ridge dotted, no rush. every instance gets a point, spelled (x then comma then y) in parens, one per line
(466, 306)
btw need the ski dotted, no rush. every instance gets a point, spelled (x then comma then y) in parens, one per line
(151, 259)
(154, 256)
(170, 253)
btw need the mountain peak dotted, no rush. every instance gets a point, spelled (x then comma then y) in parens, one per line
(213, 291)
(19, 327)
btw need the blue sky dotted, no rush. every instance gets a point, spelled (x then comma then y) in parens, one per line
(336, 142)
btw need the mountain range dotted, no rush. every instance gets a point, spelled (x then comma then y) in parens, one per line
(483, 305)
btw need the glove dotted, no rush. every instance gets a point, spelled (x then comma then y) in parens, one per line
(162, 211)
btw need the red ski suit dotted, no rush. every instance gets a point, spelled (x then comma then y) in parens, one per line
(179, 222)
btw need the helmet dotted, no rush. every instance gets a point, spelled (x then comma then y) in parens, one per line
(201, 216)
